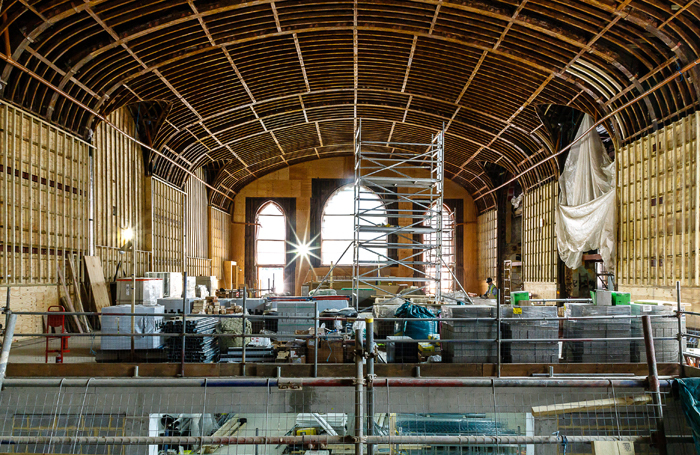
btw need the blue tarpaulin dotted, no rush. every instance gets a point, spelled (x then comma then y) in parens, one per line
(418, 330)
(689, 389)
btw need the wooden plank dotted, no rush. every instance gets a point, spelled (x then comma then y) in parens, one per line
(78, 301)
(589, 405)
(69, 302)
(96, 277)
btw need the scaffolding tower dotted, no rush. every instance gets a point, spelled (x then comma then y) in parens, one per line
(398, 237)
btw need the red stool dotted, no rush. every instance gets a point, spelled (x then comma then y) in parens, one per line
(55, 322)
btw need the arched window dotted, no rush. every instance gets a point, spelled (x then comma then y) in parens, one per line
(270, 247)
(338, 226)
(448, 250)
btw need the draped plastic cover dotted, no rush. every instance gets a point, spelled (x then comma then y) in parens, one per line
(586, 213)
(689, 391)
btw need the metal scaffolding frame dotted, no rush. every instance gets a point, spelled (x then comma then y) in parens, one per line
(410, 181)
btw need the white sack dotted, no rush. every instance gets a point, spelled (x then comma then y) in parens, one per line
(586, 213)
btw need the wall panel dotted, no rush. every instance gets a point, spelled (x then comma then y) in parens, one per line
(539, 238)
(44, 186)
(659, 195)
(198, 261)
(167, 204)
(219, 240)
(120, 196)
(487, 235)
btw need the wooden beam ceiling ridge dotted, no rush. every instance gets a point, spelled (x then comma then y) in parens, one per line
(653, 89)
(301, 62)
(542, 86)
(157, 72)
(642, 79)
(238, 74)
(303, 108)
(276, 16)
(30, 8)
(274, 138)
(318, 131)
(678, 13)
(471, 76)
(201, 23)
(408, 65)
(236, 156)
(104, 119)
(466, 139)
(510, 24)
(58, 70)
(592, 41)
(527, 24)
(435, 17)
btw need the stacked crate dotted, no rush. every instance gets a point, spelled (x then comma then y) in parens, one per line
(666, 350)
(470, 350)
(286, 310)
(531, 352)
(603, 351)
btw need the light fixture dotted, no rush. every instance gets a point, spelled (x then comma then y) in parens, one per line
(127, 234)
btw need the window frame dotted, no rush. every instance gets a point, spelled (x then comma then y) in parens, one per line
(282, 240)
(348, 187)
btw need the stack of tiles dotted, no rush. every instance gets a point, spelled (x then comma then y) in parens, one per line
(197, 349)
(666, 350)
(286, 311)
(531, 352)
(470, 350)
(112, 323)
(603, 351)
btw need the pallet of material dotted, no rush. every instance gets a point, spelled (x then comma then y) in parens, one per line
(590, 405)
(197, 349)
(472, 349)
(530, 352)
(604, 351)
(666, 350)
(252, 354)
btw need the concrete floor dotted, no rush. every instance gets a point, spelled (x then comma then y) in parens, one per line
(33, 350)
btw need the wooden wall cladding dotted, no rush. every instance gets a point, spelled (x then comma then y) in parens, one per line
(44, 185)
(486, 234)
(219, 240)
(167, 211)
(120, 196)
(198, 261)
(539, 238)
(659, 196)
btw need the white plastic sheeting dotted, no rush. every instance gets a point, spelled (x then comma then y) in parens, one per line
(586, 214)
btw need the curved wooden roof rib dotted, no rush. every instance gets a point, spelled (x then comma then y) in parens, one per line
(259, 85)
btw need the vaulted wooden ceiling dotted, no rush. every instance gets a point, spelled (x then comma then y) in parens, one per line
(251, 87)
